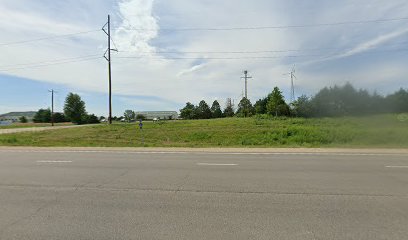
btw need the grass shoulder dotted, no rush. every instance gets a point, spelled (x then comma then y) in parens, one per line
(262, 131)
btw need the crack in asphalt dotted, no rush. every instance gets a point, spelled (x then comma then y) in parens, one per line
(182, 183)
(100, 188)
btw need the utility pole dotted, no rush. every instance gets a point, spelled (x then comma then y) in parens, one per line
(108, 58)
(52, 106)
(292, 84)
(246, 83)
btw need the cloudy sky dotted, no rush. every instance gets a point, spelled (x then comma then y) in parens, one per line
(171, 52)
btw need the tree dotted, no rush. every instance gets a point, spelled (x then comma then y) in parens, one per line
(216, 110)
(398, 101)
(59, 118)
(74, 108)
(229, 109)
(276, 104)
(245, 108)
(140, 117)
(23, 119)
(92, 119)
(260, 106)
(42, 116)
(303, 107)
(203, 110)
(129, 115)
(188, 112)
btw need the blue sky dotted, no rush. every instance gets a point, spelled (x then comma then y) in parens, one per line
(146, 77)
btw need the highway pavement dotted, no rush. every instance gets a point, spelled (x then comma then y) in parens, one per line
(177, 194)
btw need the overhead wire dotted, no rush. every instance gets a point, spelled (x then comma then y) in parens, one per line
(47, 38)
(48, 61)
(246, 52)
(267, 27)
(91, 57)
(51, 64)
(254, 57)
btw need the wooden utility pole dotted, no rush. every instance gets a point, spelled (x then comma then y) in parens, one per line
(108, 58)
(52, 106)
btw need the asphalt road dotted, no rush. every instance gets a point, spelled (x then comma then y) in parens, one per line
(47, 194)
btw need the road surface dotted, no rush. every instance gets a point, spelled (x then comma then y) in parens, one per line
(131, 194)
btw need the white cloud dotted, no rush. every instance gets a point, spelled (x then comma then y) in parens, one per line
(152, 73)
(371, 44)
(136, 14)
(191, 70)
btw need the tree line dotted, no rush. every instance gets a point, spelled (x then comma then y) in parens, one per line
(334, 101)
(346, 100)
(74, 111)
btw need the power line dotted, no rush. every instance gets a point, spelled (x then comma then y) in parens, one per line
(248, 52)
(258, 57)
(50, 64)
(48, 38)
(48, 61)
(269, 27)
(114, 44)
(221, 58)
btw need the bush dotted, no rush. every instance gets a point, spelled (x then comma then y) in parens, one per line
(140, 117)
(23, 119)
(92, 119)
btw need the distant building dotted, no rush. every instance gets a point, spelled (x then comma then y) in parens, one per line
(15, 116)
(163, 115)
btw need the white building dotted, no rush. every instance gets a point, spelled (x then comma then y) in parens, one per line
(163, 115)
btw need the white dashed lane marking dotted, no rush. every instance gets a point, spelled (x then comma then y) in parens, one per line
(54, 161)
(217, 164)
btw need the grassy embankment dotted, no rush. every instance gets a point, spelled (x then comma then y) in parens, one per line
(30, 125)
(375, 131)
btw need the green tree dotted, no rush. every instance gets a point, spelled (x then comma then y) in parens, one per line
(245, 108)
(140, 117)
(260, 106)
(276, 104)
(91, 119)
(398, 101)
(188, 112)
(303, 107)
(42, 116)
(74, 109)
(216, 110)
(203, 110)
(23, 119)
(229, 109)
(129, 115)
(59, 117)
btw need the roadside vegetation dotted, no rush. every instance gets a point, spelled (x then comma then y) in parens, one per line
(387, 130)
(74, 113)
(31, 124)
(337, 101)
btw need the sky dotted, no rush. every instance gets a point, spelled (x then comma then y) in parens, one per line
(173, 52)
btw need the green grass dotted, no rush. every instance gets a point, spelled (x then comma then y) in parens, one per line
(29, 125)
(386, 131)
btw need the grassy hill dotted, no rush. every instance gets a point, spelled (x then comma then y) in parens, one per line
(374, 131)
